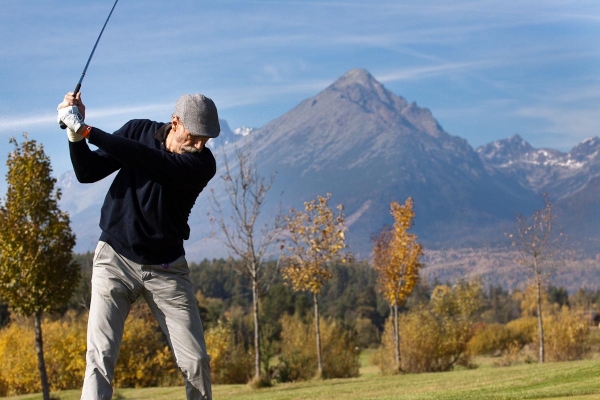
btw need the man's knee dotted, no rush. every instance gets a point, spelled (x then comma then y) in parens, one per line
(198, 380)
(197, 366)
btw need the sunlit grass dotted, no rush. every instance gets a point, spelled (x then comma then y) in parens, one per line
(575, 380)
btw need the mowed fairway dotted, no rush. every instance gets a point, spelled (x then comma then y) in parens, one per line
(573, 380)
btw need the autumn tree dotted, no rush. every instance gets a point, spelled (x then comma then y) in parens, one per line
(395, 258)
(37, 273)
(246, 192)
(315, 237)
(537, 243)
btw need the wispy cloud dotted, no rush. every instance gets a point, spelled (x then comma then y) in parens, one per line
(565, 123)
(225, 99)
(24, 122)
(435, 70)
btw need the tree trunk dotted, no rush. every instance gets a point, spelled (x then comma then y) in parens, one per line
(318, 332)
(256, 328)
(40, 353)
(396, 337)
(539, 310)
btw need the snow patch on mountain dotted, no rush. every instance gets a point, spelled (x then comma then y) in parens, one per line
(543, 170)
(243, 131)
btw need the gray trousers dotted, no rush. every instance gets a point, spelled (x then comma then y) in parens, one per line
(116, 284)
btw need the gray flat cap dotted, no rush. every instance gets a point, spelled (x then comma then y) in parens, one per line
(198, 114)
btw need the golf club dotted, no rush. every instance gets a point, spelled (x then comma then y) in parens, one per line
(61, 124)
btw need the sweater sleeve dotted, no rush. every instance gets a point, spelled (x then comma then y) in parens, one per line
(184, 170)
(91, 166)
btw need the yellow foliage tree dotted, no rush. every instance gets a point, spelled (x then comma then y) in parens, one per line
(315, 237)
(396, 260)
(37, 273)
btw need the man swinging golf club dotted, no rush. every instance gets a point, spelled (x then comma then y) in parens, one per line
(162, 167)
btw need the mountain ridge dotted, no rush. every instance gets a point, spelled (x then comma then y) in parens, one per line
(368, 147)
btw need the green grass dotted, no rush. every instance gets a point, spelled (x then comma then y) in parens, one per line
(573, 380)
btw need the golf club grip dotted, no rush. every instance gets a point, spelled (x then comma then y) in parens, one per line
(61, 124)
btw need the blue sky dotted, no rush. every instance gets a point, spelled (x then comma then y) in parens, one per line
(486, 69)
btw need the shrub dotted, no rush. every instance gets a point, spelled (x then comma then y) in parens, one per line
(523, 330)
(298, 360)
(434, 337)
(566, 336)
(498, 338)
(340, 351)
(144, 359)
(491, 339)
(367, 334)
(229, 361)
(64, 353)
(507, 341)
(431, 343)
(385, 357)
(18, 360)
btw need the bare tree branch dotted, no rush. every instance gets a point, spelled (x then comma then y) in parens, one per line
(246, 191)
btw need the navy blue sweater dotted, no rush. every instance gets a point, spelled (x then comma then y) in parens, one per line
(145, 212)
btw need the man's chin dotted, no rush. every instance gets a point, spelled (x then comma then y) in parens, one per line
(189, 149)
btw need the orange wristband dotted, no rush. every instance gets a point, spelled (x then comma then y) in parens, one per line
(86, 133)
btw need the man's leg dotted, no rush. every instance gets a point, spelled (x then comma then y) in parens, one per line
(114, 288)
(170, 295)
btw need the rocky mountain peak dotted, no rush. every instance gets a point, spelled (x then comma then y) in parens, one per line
(356, 76)
(589, 148)
(500, 151)
(361, 88)
(517, 142)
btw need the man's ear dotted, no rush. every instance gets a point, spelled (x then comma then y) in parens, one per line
(174, 122)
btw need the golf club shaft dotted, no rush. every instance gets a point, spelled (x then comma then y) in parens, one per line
(62, 125)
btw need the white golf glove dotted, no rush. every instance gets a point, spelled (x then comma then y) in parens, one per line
(71, 117)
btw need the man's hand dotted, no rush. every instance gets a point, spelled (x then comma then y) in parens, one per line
(73, 100)
(73, 120)
(72, 113)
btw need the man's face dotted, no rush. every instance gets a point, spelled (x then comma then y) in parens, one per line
(180, 140)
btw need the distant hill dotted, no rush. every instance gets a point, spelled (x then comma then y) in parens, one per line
(368, 147)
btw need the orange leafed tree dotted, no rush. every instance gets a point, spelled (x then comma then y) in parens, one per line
(395, 258)
(315, 238)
